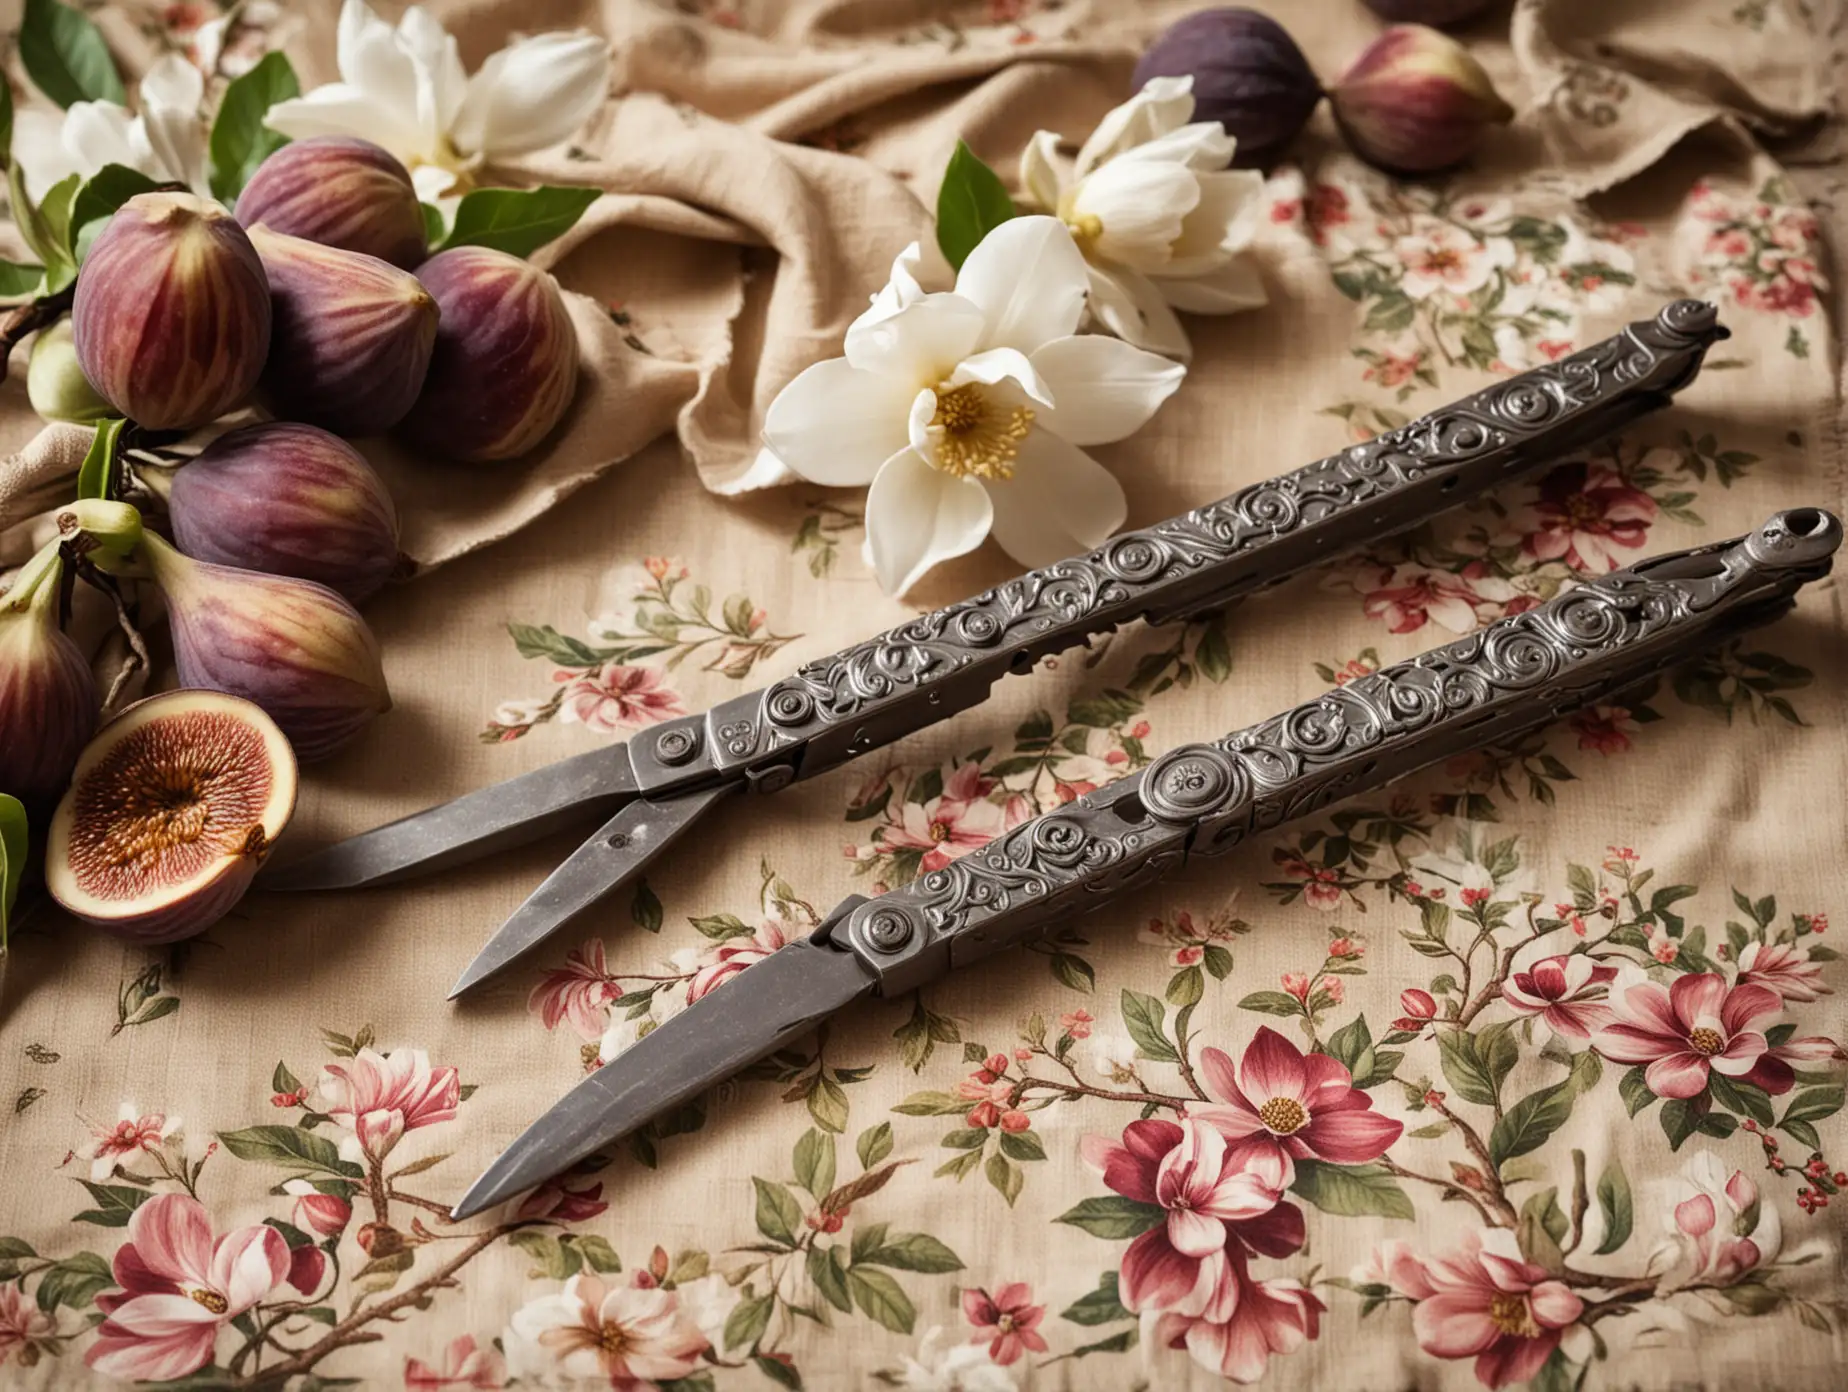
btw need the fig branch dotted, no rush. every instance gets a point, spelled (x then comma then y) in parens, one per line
(27, 319)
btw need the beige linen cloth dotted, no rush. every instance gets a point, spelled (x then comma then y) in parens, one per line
(241, 1150)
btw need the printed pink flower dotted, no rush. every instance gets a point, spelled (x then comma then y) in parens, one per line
(1187, 955)
(1722, 1230)
(1420, 1009)
(616, 696)
(1685, 1030)
(464, 1365)
(325, 1215)
(1785, 968)
(1008, 1321)
(179, 1285)
(378, 1097)
(1296, 984)
(1483, 1301)
(1206, 1187)
(1346, 947)
(1333, 988)
(562, 1204)
(21, 1321)
(1304, 1104)
(953, 823)
(1567, 992)
(735, 954)
(307, 1267)
(1585, 514)
(1243, 1325)
(1394, 369)
(633, 1336)
(132, 1137)
(1409, 595)
(1326, 207)
(1607, 729)
(1445, 258)
(1321, 885)
(1077, 1024)
(577, 991)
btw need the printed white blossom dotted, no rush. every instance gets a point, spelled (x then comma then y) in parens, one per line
(1114, 1056)
(166, 141)
(404, 88)
(955, 1368)
(1162, 219)
(965, 410)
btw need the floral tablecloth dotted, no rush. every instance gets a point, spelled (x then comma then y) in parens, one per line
(1525, 1072)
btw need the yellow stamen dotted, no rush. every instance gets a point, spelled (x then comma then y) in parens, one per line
(979, 439)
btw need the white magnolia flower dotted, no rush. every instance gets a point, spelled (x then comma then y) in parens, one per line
(957, 1367)
(965, 410)
(1114, 1056)
(1162, 220)
(166, 141)
(405, 89)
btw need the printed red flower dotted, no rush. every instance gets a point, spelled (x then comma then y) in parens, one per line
(1346, 947)
(1207, 1188)
(1684, 1031)
(325, 1215)
(1567, 992)
(953, 823)
(1296, 984)
(1187, 955)
(1325, 207)
(1077, 1024)
(577, 991)
(1584, 514)
(1726, 1231)
(22, 1323)
(1008, 1321)
(1420, 1008)
(132, 1136)
(1304, 1104)
(1410, 595)
(1607, 729)
(179, 1286)
(1472, 897)
(464, 1365)
(616, 696)
(735, 954)
(1786, 968)
(378, 1097)
(1321, 885)
(1333, 988)
(1243, 1325)
(556, 1201)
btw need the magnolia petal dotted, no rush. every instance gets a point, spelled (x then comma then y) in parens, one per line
(442, 81)
(1060, 502)
(532, 95)
(1164, 104)
(1029, 280)
(99, 133)
(1133, 308)
(1202, 146)
(836, 425)
(917, 516)
(340, 109)
(376, 68)
(765, 471)
(919, 344)
(1000, 365)
(1039, 170)
(1141, 207)
(1102, 389)
(173, 82)
(1231, 289)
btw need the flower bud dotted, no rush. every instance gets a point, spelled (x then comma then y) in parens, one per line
(341, 192)
(172, 313)
(307, 1265)
(1248, 75)
(325, 1215)
(1417, 1004)
(294, 648)
(48, 703)
(506, 358)
(288, 499)
(55, 384)
(1416, 101)
(352, 338)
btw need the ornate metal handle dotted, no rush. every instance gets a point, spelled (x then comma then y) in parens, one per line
(875, 692)
(1516, 674)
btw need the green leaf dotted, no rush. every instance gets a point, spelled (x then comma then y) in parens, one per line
(1213, 657)
(719, 927)
(775, 1369)
(874, 1145)
(6, 123)
(1005, 1177)
(882, 1298)
(914, 1252)
(45, 226)
(19, 278)
(14, 838)
(434, 226)
(1143, 1017)
(65, 56)
(114, 1204)
(1272, 1003)
(598, 1254)
(1348, 1043)
(554, 1259)
(518, 221)
(1101, 1306)
(1464, 1068)
(1104, 709)
(747, 1323)
(1114, 1217)
(827, 1105)
(830, 1277)
(778, 1213)
(1351, 1190)
(814, 1162)
(1634, 1088)
(645, 909)
(1186, 987)
(1615, 1203)
(1529, 1123)
(97, 472)
(1499, 1051)
(102, 194)
(289, 1145)
(1682, 1117)
(1217, 961)
(1813, 1104)
(1116, 1343)
(240, 141)
(74, 1281)
(971, 203)
(1073, 971)
(1022, 1145)
(933, 1104)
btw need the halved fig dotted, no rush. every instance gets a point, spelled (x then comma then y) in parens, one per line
(170, 813)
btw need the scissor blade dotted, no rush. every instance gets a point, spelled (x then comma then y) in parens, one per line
(620, 847)
(490, 819)
(765, 1007)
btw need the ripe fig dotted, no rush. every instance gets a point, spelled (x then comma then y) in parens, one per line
(1416, 101)
(55, 384)
(171, 812)
(296, 648)
(352, 338)
(341, 192)
(506, 358)
(1248, 75)
(288, 499)
(48, 699)
(172, 313)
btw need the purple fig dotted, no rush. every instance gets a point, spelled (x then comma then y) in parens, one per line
(1416, 101)
(341, 192)
(506, 358)
(1248, 75)
(295, 648)
(1438, 12)
(353, 335)
(172, 313)
(288, 499)
(48, 702)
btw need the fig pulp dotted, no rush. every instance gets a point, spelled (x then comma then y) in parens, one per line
(170, 813)
(341, 192)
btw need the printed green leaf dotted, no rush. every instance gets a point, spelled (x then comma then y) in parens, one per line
(97, 472)
(1143, 1017)
(874, 1145)
(1213, 657)
(913, 1252)
(1022, 1145)
(598, 1254)
(1272, 1003)
(645, 908)
(1351, 1190)
(778, 1213)
(747, 1323)
(14, 838)
(971, 203)
(1464, 1068)
(933, 1104)
(882, 1298)
(782, 1373)
(1114, 1217)
(1527, 1125)
(240, 141)
(518, 221)
(1101, 1306)
(830, 1277)
(74, 1281)
(1634, 1088)
(1073, 971)
(1498, 1050)
(1218, 961)
(65, 56)
(1116, 1343)
(114, 1204)
(827, 1105)
(1618, 1208)
(1347, 1044)
(814, 1162)
(12, 1250)
(1005, 1177)
(554, 1260)
(1103, 709)
(289, 1145)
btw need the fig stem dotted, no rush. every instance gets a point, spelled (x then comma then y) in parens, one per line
(29, 318)
(44, 566)
(137, 660)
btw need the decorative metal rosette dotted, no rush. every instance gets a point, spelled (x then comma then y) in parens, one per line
(1185, 784)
